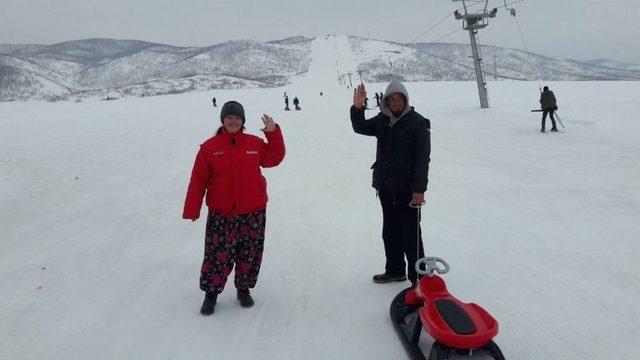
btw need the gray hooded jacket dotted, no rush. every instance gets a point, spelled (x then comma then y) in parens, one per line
(394, 86)
(403, 145)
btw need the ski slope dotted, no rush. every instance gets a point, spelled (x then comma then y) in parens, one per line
(540, 229)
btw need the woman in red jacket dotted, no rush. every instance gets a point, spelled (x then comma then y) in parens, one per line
(227, 170)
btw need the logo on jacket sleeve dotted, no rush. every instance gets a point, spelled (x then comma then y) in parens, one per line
(252, 152)
(218, 153)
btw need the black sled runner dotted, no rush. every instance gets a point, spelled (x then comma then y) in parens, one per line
(458, 329)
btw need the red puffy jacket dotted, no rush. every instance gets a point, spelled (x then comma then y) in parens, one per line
(228, 168)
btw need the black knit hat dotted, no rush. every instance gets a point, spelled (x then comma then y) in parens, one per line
(232, 108)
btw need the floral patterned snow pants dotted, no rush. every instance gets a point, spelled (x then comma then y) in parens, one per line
(229, 240)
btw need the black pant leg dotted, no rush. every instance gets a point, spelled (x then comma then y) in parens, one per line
(392, 234)
(410, 233)
(553, 120)
(544, 117)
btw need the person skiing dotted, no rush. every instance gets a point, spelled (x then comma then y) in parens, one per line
(400, 175)
(214, 102)
(377, 100)
(227, 173)
(286, 102)
(296, 103)
(548, 105)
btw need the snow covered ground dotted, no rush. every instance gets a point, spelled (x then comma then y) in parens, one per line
(540, 229)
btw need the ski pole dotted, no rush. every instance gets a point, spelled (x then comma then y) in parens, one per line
(559, 120)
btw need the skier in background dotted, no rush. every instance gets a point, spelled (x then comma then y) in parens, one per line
(227, 173)
(400, 175)
(296, 103)
(548, 105)
(286, 102)
(214, 101)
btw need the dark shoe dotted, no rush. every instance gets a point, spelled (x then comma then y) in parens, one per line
(542, 130)
(245, 298)
(554, 129)
(209, 304)
(386, 278)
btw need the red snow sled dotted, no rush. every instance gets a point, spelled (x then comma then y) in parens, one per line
(465, 329)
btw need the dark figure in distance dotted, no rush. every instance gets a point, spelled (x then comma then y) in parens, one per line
(548, 105)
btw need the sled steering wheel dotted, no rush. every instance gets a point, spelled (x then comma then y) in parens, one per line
(432, 266)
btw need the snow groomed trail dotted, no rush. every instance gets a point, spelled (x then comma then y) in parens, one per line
(540, 229)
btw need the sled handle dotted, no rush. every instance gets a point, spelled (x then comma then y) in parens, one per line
(417, 206)
(431, 264)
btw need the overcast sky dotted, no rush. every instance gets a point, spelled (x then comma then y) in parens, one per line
(579, 29)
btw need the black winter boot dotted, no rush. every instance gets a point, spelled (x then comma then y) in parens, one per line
(386, 278)
(245, 298)
(209, 304)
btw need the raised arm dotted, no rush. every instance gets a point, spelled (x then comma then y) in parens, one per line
(358, 122)
(274, 149)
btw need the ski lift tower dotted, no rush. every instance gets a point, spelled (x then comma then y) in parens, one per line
(474, 22)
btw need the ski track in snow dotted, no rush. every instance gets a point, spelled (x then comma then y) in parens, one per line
(540, 229)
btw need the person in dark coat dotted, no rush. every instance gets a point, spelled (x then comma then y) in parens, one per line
(400, 175)
(377, 100)
(286, 102)
(548, 105)
(296, 103)
(214, 102)
(227, 174)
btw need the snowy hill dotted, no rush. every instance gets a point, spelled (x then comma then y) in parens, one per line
(540, 229)
(117, 68)
(613, 64)
(381, 60)
(100, 67)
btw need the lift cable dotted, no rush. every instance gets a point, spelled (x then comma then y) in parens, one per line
(476, 3)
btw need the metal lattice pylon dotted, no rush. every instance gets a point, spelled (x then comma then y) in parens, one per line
(474, 21)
